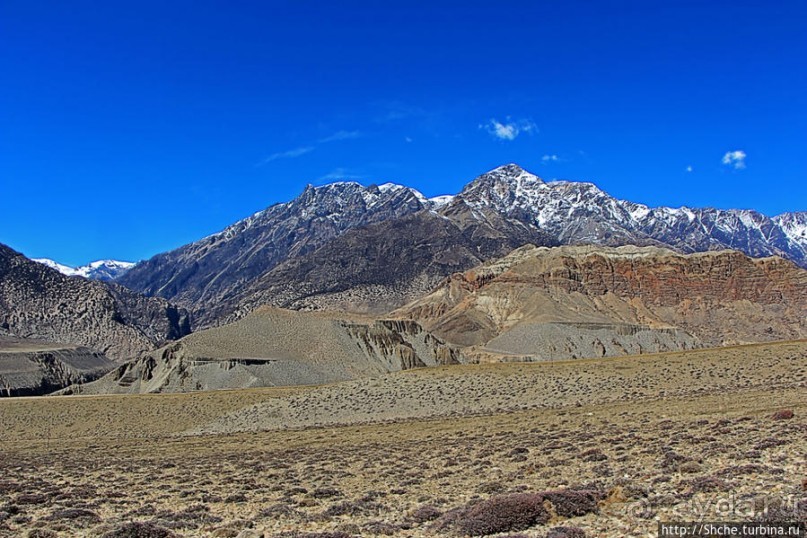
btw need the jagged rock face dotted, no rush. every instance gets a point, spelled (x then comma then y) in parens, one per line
(276, 347)
(199, 274)
(333, 246)
(38, 302)
(376, 268)
(718, 297)
(31, 368)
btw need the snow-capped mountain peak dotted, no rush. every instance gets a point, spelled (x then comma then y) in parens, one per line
(105, 270)
(503, 189)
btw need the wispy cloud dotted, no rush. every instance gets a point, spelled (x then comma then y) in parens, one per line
(302, 150)
(550, 159)
(340, 174)
(509, 129)
(689, 169)
(394, 111)
(289, 154)
(340, 135)
(735, 159)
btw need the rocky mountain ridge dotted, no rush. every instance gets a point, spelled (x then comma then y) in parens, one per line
(211, 267)
(332, 246)
(581, 213)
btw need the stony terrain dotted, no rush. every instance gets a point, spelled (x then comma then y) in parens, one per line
(711, 434)
(334, 246)
(273, 347)
(38, 302)
(563, 302)
(31, 368)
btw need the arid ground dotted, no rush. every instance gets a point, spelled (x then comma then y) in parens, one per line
(604, 447)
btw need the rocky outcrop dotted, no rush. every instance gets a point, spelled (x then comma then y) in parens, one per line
(38, 302)
(31, 368)
(595, 301)
(274, 347)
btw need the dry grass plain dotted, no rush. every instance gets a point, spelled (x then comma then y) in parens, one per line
(626, 441)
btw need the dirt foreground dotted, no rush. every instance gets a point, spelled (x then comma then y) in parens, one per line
(603, 447)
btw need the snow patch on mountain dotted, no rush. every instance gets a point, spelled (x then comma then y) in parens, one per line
(64, 269)
(440, 201)
(794, 225)
(105, 270)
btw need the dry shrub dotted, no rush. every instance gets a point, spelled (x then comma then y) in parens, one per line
(516, 512)
(77, 516)
(138, 529)
(566, 532)
(503, 513)
(425, 513)
(42, 533)
(296, 534)
(326, 493)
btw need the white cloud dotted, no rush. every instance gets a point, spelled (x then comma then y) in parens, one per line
(509, 129)
(690, 169)
(340, 135)
(408, 139)
(340, 174)
(735, 158)
(289, 154)
(299, 152)
(550, 158)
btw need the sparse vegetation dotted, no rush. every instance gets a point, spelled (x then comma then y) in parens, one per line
(123, 467)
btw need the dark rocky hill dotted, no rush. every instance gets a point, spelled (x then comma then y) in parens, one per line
(37, 302)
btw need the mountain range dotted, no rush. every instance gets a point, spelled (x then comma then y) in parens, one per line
(347, 281)
(371, 249)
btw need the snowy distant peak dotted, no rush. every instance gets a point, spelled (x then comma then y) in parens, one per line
(64, 269)
(105, 270)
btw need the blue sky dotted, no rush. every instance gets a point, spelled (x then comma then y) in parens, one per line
(127, 129)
